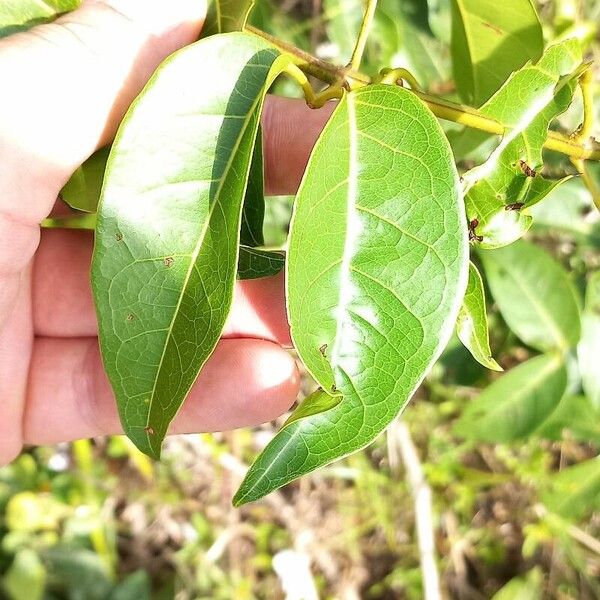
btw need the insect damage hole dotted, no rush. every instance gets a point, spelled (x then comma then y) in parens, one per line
(168, 262)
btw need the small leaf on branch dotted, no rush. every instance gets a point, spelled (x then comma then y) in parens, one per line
(472, 324)
(499, 192)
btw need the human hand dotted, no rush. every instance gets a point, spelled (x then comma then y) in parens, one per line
(65, 88)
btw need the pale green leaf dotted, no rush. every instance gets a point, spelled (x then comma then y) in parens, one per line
(19, 15)
(517, 403)
(224, 16)
(472, 323)
(343, 18)
(499, 192)
(588, 349)
(167, 237)
(575, 491)
(82, 191)
(534, 295)
(377, 268)
(26, 577)
(490, 40)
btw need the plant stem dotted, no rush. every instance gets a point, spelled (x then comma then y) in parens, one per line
(363, 34)
(443, 109)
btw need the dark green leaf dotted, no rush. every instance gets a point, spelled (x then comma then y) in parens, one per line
(82, 191)
(472, 323)
(18, 15)
(517, 403)
(377, 268)
(224, 16)
(530, 587)
(253, 214)
(534, 295)
(499, 192)
(490, 40)
(588, 350)
(168, 229)
(254, 263)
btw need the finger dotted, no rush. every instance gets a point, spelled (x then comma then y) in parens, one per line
(290, 130)
(68, 85)
(63, 305)
(245, 382)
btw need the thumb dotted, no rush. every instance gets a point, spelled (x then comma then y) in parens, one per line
(67, 85)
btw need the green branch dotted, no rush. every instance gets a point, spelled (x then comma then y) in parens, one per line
(349, 77)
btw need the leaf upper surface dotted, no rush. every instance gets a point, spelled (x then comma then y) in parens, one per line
(517, 403)
(588, 349)
(490, 40)
(534, 295)
(377, 267)
(168, 229)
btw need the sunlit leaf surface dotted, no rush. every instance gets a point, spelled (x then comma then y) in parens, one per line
(377, 269)
(168, 229)
(472, 323)
(499, 192)
(490, 40)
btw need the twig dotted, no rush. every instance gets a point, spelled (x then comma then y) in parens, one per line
(421, 493)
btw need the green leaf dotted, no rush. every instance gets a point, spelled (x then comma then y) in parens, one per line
(19, 15)
(82, 191)
(534, 295)
(254, 263)
(490, 40)
(499, 192)
(377, 268)
(403, 38)
(167, 237)
(575, 491)
(588, 349)
(343, 24)
(26, 577)
(136, 586)
(517, 403)
(530, 587)
(576, 415)
(253, 215)
(472, 323)
(224, 16)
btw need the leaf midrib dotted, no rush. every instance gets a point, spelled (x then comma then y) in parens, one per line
(196, 252)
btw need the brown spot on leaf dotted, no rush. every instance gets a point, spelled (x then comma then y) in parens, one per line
(491, 26)
(119, 237)
(130, 317)
(514, 206)
(322, 349)
(473, 237)
(149, 430)
(169, 261)
(527, 170)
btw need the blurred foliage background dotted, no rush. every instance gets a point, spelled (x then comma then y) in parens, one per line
(98, 520)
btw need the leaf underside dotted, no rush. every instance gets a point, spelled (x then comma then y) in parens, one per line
(472, 324)
(377, 265)
(500, 191)
(167, 238)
